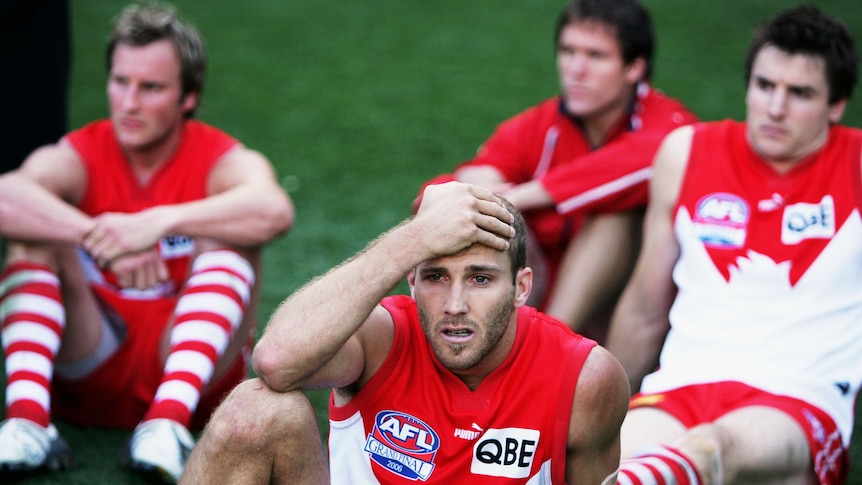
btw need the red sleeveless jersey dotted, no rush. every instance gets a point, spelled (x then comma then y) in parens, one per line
(769, 273)
(113, 187)
(415, 420)
(119, 392)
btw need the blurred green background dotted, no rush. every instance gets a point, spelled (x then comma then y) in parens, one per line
(359, 102)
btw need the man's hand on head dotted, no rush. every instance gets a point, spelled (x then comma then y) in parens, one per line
(455, 216)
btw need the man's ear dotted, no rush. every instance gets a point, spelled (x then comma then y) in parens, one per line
(190, 102)
(411, 281)
(636, 71)
(523, 286)
(836, 111)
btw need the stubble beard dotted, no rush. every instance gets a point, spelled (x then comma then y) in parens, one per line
(458, 357)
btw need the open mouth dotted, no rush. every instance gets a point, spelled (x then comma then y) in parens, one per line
(458, 335)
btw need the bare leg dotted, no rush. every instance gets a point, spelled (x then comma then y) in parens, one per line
(730, 450)
(644, 426)
(259, 436)
(744, 456)
(594, 270)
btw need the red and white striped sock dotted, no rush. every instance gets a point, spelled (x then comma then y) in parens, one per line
(658, 465)
(208, 313)
(33, 320)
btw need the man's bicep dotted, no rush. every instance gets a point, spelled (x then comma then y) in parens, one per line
(56, 168)
(600, 405)
(640, 321)
(360, 357)
(669, 168)
(660, 248)
(241, 166)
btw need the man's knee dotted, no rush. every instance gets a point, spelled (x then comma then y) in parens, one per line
(253, 415)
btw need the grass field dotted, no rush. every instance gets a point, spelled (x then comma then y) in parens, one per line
(357, 103)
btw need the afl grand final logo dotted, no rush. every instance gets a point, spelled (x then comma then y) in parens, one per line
(721, 220)
(403, 444)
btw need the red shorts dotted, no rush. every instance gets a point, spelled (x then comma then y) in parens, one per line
(704, 403)
(119, 392)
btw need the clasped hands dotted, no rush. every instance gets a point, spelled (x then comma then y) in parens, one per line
(125, 244)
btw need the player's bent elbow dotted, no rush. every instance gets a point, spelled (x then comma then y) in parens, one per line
(285, 218)
(279, 215)
(10, 212)
(264, 364)
(272, 368)
(5, 211)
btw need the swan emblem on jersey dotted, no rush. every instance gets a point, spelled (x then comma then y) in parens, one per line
(403, 444)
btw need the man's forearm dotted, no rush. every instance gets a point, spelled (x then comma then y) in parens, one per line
(313, 324)
(243, 216)
(529, 195)
(30, 213)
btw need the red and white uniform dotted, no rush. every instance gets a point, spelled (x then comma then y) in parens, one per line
(120, 391)
(416, 421)
(769, 273)
(113, 187)
(545, 143)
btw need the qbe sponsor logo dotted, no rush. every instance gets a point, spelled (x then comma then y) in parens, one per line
(721, 220)
(403, 444)
(808, 221)
(505, 452)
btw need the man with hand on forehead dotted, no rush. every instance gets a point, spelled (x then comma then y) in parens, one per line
(459, 381)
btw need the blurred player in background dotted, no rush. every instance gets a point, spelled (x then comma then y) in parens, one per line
(577, 165)
(130, 284)
(753, 234)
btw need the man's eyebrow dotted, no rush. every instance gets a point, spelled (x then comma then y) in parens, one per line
(763, 79)
(433, 269)
(802, 89)
(796, 88)
(472, 268)
(480, 268)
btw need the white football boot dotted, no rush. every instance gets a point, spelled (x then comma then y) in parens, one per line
(160, 447)
(25, 446)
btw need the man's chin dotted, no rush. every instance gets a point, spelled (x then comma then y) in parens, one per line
(579, 109)
(456, 358)
(130, 141)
